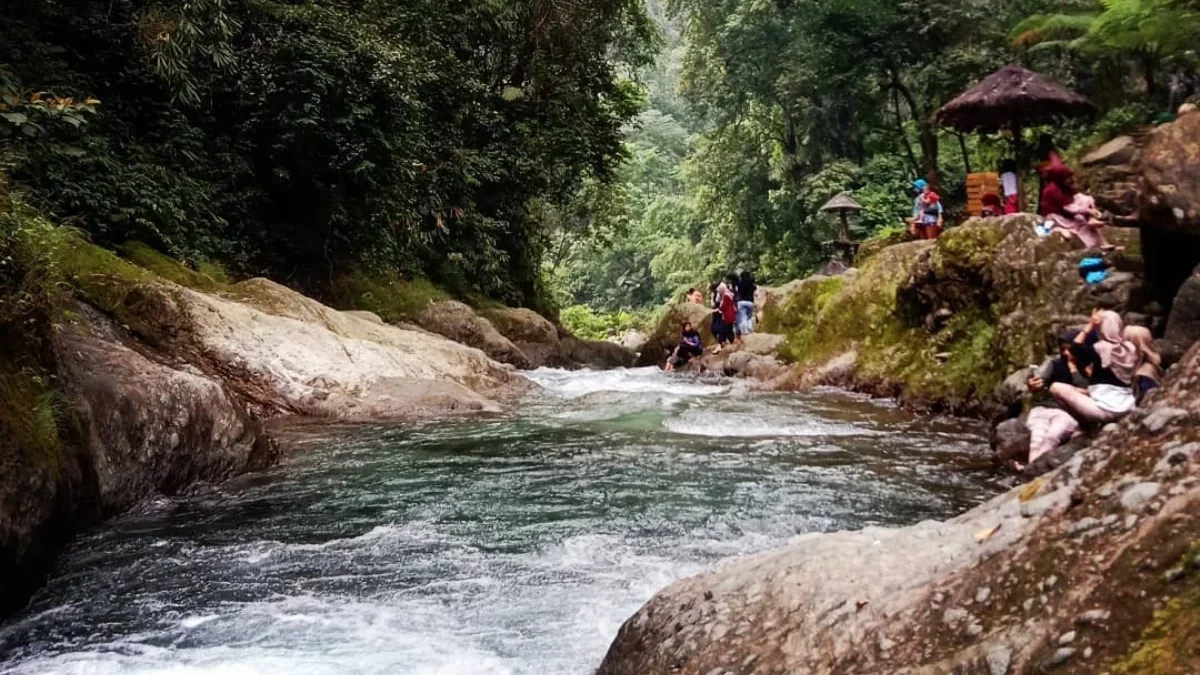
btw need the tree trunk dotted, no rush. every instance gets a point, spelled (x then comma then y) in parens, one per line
(926, 135)
(903, 137)
(962, 146)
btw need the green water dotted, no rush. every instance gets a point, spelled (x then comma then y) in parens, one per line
(515, 544)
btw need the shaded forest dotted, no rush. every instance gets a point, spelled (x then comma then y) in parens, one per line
(310, 139)
(596, 156)
(759, 112)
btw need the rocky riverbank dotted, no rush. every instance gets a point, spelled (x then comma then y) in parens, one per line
(1092, 568)
(127, 377)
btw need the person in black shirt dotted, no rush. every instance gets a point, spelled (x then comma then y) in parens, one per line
(1049, 425)
(746, 289)
(1110, 362)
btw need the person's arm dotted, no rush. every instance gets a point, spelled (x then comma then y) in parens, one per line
(939, 211)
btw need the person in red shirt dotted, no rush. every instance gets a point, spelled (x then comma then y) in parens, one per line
(1057, 194)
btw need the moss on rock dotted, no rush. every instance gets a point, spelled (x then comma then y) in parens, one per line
(171, 269)
(1170, 644)
(943, 322)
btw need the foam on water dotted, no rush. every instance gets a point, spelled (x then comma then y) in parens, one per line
(504, 546)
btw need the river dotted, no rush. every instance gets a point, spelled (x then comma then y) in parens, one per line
(515, 544)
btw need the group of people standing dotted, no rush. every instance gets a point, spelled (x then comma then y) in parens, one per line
(1099, 375)
(732, 303)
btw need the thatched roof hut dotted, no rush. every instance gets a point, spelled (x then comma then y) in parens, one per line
(1012, 97)
(842, 202)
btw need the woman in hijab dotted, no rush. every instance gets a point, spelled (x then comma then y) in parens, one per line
(1057, 203)
(1149, 371)
(725, 316)
(1049, 425)
(1110, 362)
(689, 347)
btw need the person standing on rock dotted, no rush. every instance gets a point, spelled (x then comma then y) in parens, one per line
(927, 212)
(1111, 363)
(746, 289)
(724, 316)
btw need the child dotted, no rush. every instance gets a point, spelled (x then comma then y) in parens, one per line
(931, 214)
(1010, 186)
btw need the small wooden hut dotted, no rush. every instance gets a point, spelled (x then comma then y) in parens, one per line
(1013, 98)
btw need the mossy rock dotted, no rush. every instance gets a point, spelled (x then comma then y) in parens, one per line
(393, 299)
(1171, 643)
(171, 269)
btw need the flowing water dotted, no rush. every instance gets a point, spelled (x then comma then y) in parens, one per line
(513, 544)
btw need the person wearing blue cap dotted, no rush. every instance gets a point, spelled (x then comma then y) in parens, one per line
(927, 212)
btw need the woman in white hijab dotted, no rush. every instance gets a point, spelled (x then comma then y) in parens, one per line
(1110, 362)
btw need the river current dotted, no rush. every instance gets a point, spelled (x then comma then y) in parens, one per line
(515, 544)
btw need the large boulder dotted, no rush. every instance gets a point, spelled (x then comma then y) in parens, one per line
(597, 354)
(665, 336)
(531, 332)
(1183, 324)
(460, 323)
(131, 423)
(285, 353)
(147, 425)
(1091, 568)
(1170, 176)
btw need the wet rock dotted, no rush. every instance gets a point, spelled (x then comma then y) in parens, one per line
(1136, 496)
(1160, 417)
(1059, 657)
(1183, 323)
(1010, 441)
(999, 660)
(1093, 617)
(460, 323)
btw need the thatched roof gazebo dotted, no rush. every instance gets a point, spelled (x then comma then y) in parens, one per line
(842, 204)
(1012, 97)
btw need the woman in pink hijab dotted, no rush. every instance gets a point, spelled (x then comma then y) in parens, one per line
(1111, 362)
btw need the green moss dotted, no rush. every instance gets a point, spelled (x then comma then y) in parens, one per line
(1171, 643)
(29, 412)
(967, 248)
(823, 318)
(393, 299)
(168, 268)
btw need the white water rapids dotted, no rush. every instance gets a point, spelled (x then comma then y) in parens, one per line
(510, 545)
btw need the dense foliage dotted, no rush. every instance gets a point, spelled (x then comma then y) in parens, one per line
(306, 138)
(768, 109)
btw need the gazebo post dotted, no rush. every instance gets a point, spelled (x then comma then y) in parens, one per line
(1018, 150)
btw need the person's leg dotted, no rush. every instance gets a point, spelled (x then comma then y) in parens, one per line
(1048, 429)
(1079, 404)
(745, 316)
(1038, 423)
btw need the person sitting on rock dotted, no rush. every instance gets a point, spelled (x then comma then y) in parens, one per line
(1058, 202)
(1149, 371)
(1049, 425)
(690, 346)
(1110, 363)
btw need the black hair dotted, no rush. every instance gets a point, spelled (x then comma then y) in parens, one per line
(690, 291)
(1008, 166)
